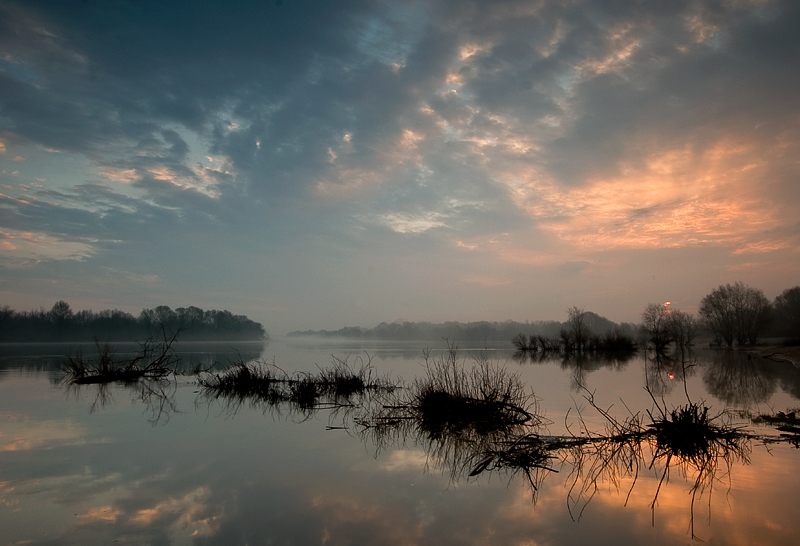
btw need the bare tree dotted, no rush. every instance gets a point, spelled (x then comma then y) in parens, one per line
(684, 327)
(60, 315)
(656, 323)
(787, 312)
(577, 321)
(735, 312)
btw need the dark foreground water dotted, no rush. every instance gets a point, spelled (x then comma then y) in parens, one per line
(128, 465)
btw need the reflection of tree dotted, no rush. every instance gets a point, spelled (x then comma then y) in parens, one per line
(738, 378)
(662, 370)
(580, 364)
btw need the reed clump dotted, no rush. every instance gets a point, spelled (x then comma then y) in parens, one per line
(264, 383)
(451, 400)
(454, 400)
(245, 381)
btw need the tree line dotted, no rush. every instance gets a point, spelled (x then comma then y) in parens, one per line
(731, 313)
(478, 332)
(61, 323)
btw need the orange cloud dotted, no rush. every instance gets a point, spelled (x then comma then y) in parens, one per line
(675, 198)
(104, 514)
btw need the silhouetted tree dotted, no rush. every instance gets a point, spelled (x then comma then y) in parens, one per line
(60, 315)
(577, 321)
(787, 313)
(657, 325)
(684, 327)
(735, 312)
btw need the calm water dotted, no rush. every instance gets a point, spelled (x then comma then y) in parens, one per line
(116, 465)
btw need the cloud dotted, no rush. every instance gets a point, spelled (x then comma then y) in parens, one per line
(561, 130)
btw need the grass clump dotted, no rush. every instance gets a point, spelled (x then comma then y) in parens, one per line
(267, 384)
(452, 400)
(245, 381)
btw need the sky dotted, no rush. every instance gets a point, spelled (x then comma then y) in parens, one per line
(315, 164)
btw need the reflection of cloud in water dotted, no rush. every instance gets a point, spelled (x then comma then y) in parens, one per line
(404, 459)
(186, 515)
(6, 491)
(187, 512)
(23, 433)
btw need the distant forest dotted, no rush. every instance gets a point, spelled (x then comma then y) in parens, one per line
(471, 331)
(61, 323)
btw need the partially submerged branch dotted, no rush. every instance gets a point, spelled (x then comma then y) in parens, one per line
(156, 359)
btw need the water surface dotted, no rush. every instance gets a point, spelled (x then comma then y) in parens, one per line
(95, 465)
